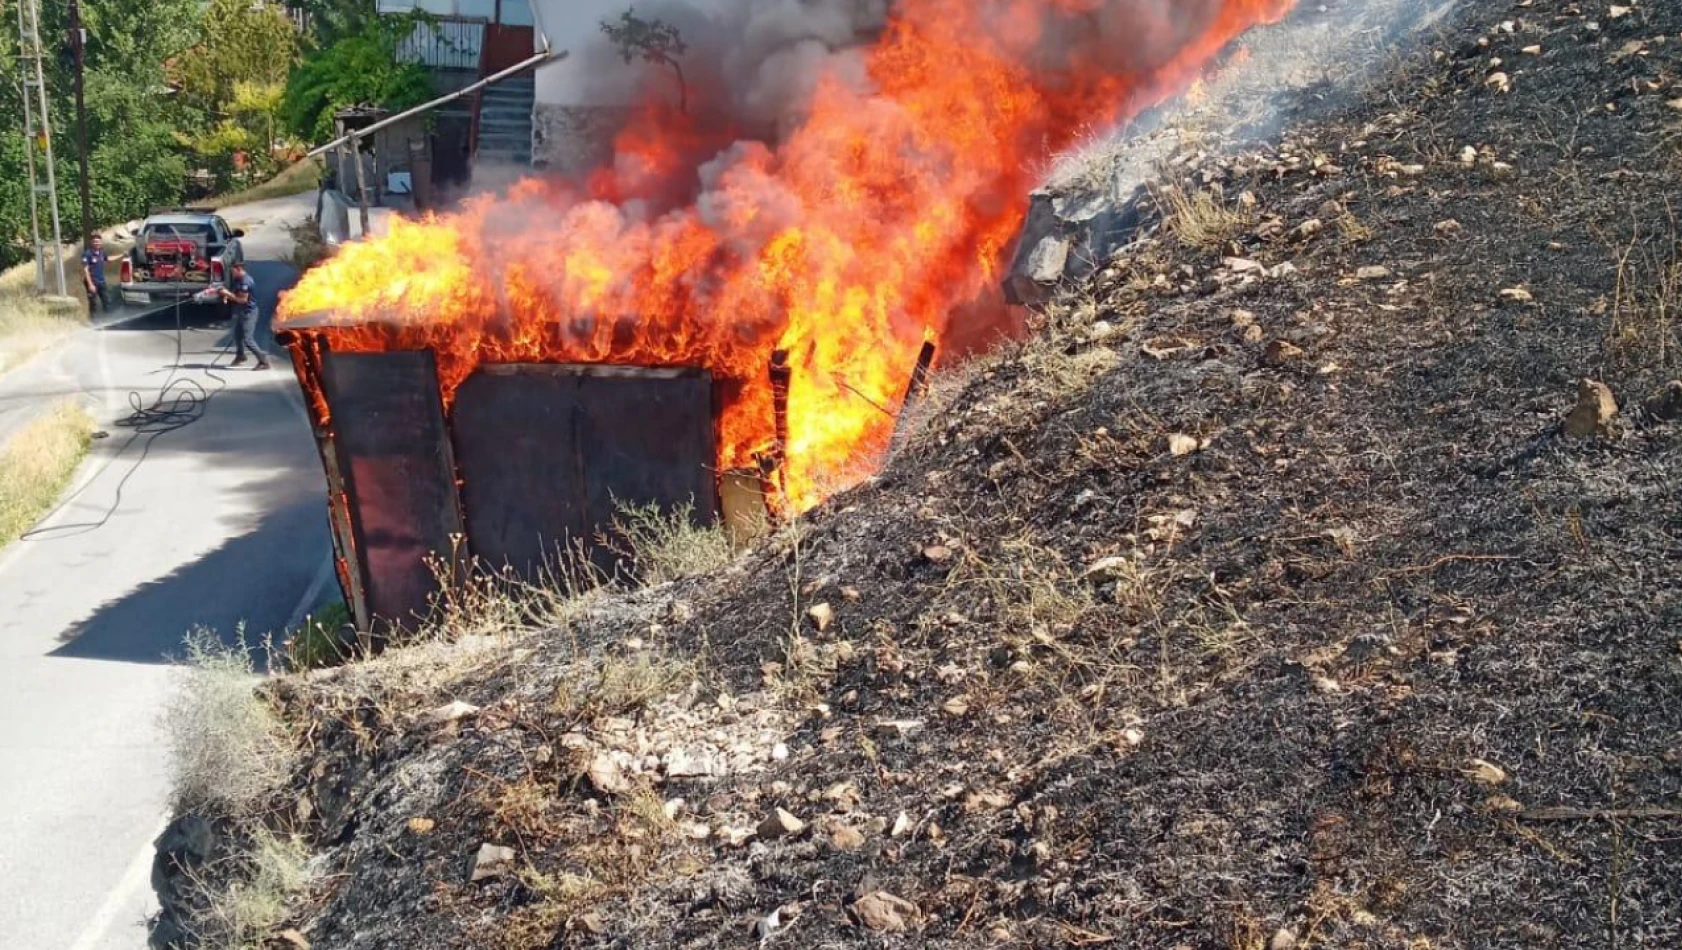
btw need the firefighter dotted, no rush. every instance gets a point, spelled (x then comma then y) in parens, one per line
(241, 292)
(93, 275)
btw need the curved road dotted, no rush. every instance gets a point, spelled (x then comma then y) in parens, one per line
(219, 524)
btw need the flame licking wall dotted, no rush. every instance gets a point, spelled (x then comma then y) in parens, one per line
(846, 182)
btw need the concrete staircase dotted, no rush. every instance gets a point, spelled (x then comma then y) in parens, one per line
(505, 122)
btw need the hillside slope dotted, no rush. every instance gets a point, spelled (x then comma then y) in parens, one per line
(1246, 605)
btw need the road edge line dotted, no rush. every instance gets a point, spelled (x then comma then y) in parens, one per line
(137, 875)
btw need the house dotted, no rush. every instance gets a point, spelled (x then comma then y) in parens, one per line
(436, 155)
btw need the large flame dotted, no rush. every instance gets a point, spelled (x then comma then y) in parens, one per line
(887, 207)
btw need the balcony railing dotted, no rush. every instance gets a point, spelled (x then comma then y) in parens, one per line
(444, 44)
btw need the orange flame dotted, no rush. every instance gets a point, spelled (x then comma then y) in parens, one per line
(889, 207)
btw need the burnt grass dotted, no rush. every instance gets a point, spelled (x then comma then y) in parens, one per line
(1324, 673)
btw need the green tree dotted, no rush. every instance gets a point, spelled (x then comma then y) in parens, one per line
(333, 20)
(135, 160)
(359, 69)
(256, 106)
(241, 41)
(652, 41)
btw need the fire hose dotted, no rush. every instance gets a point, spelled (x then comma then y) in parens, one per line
(178, 403)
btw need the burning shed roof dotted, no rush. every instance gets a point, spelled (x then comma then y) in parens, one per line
(886, 203)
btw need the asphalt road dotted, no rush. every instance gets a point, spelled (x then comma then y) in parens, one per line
(220, 524)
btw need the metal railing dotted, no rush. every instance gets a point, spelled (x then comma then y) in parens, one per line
(444, 44)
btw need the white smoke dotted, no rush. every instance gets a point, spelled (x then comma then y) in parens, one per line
(758, 60)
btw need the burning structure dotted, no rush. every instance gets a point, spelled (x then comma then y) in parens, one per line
(750, 286)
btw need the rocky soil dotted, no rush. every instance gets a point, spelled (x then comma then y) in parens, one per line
(1309, 580)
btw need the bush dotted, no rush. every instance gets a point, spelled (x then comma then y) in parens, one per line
(669, 546)
(227, 751)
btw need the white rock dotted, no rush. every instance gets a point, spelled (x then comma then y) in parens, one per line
(1107, 569)
(735, 837)
(452, 712)
(694, 763)
(901, 727)
(606, 775)
(491, 860)
(780, 824)
(1488, 773)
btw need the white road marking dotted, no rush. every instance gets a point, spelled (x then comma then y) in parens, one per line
(138, 875)
(139, 871)
(83, 480)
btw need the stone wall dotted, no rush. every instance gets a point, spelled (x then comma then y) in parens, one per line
(575, 139)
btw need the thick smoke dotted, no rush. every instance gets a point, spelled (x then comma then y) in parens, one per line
(754, 61)
(753, 64)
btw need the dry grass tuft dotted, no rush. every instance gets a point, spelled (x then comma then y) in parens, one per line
(1091, 167)
(245, 915)
(619, 685)
(477, 600)
(308, 246)
(1039, 596)
(227, 747)
(559, 897)
(1353, 230)
(30, 324)
(1647, 305)
(669, 546)
(1055, 373)
(1199, 219)
(36, 466)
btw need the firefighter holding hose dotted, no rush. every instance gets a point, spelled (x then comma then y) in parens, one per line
(241, 293)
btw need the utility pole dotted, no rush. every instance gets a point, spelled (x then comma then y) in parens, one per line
(361, 184)
(38, 135)
(78, 45)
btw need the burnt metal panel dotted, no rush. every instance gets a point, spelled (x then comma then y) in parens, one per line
(399, 478)
(648, 437)
(546, 451)
(514, 438)
(307, 354)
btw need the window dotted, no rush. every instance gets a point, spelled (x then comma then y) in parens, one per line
(476, 9)
(517, 13)
(179, 230)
